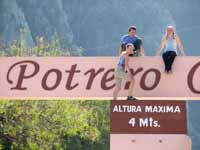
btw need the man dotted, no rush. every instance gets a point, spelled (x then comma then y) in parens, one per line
(122, 72)
(135, 40)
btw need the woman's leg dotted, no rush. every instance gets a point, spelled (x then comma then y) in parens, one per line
(130, 78)
(166, 60)
(117, 88)
(172, 56)
(130, 91)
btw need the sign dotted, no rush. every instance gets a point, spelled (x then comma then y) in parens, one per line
(148, 124)
(148, 117)
(93, 77)
(148, 141)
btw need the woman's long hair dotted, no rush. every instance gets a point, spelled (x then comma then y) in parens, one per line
(174, 33)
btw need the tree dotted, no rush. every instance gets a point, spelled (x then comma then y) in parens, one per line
(54, 125)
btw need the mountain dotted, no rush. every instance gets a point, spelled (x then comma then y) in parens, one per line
(97, 26)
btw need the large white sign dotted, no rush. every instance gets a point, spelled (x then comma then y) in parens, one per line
(93, 77)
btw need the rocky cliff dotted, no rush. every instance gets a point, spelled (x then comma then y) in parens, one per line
(97, 26)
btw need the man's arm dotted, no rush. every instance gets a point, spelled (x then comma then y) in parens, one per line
(120, 49)
(142, 50)
(122, 45)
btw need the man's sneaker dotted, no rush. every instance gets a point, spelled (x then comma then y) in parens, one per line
(130, 98)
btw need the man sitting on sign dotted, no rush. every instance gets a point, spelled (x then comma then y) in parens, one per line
(131, 37)
(122, 72)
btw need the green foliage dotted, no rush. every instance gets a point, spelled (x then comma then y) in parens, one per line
(54, 125)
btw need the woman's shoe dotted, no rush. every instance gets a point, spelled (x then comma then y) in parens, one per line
(166, 71)
(170, 71)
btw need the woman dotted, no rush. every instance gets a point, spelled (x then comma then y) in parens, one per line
(122, 72)
(169, 44)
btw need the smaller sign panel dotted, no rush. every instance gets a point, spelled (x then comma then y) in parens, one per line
(148, 117)
(150, 141)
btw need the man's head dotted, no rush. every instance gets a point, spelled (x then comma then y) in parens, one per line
(132, 31)
(129, 48)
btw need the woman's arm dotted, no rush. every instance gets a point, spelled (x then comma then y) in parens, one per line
(180, 46)
(162, 44)
(126, 63)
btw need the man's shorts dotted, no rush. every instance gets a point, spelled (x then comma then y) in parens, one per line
(120, 75)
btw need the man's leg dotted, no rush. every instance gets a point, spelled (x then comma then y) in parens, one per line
(137, 45)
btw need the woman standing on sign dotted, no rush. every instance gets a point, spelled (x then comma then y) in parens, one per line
(169, 44)
(122, 72)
